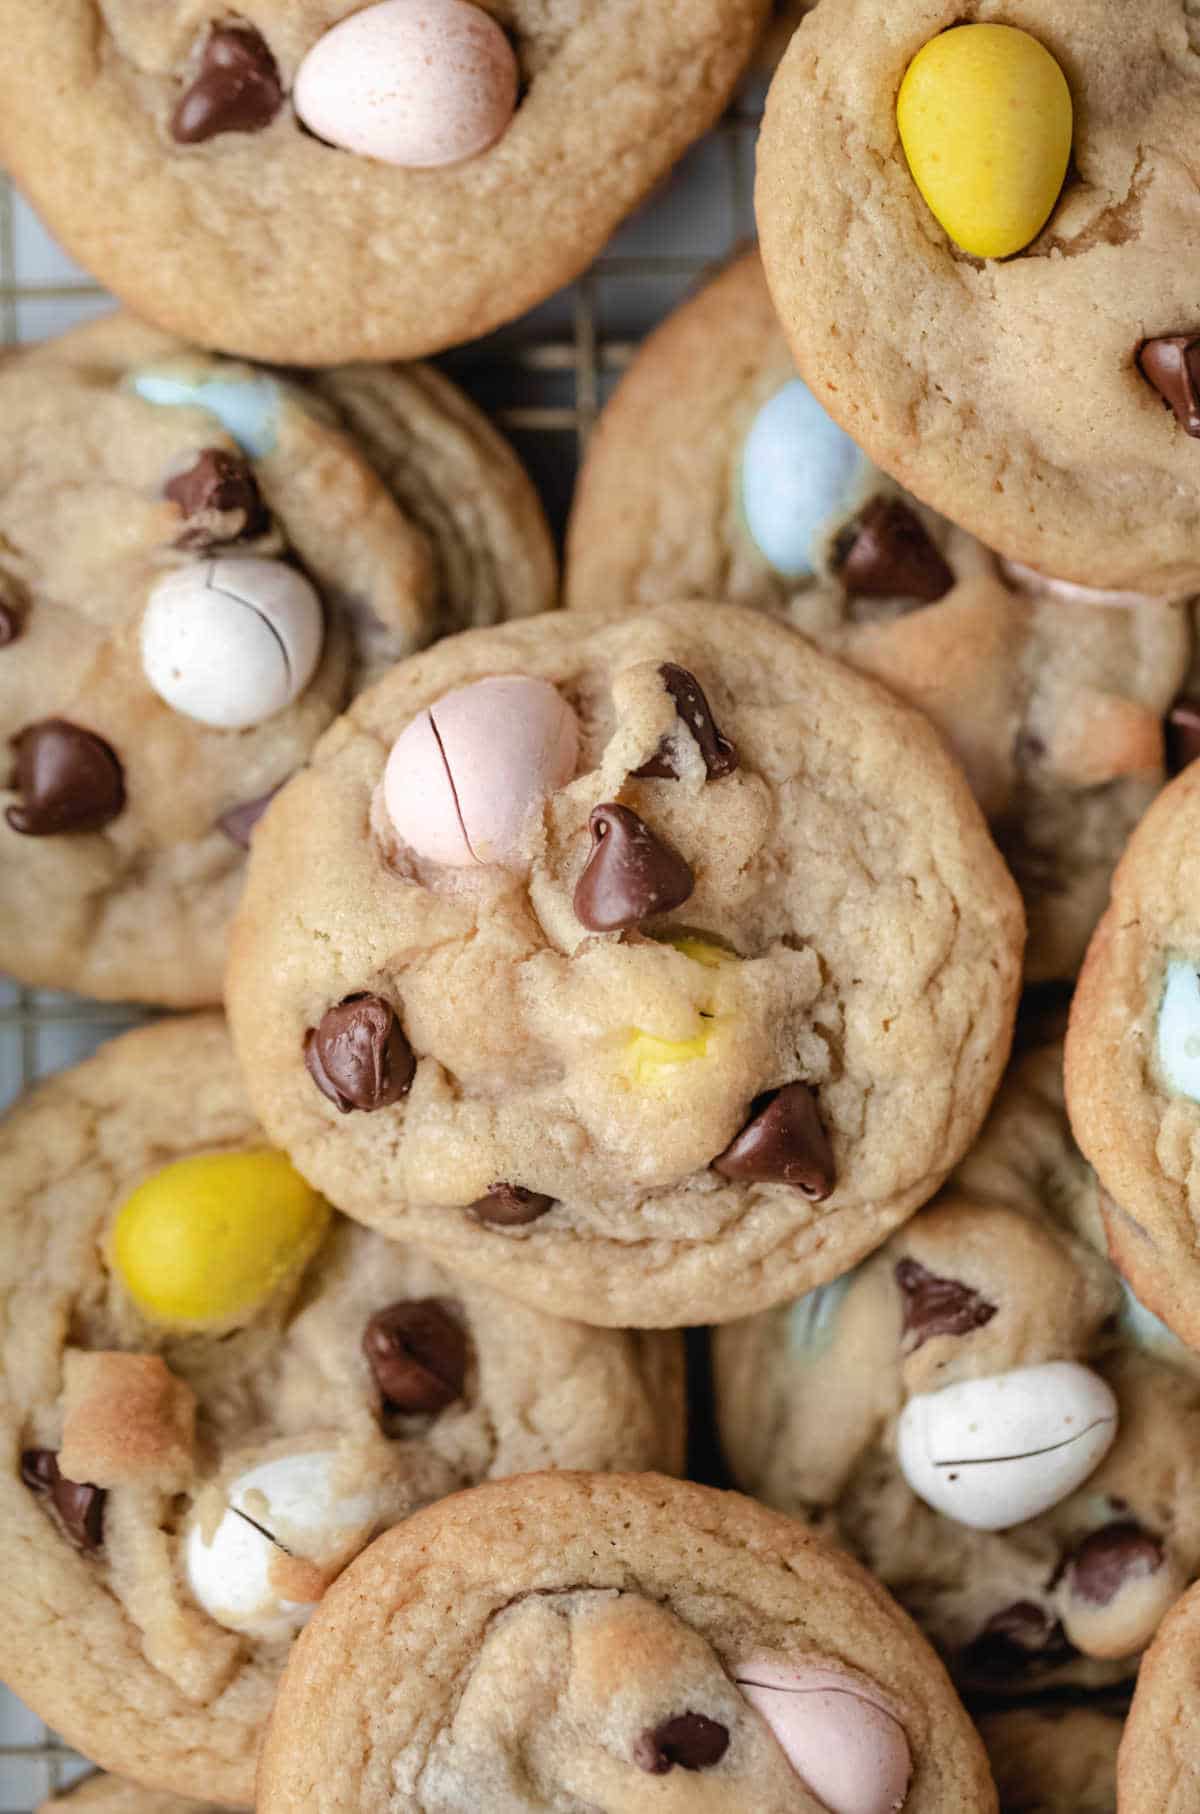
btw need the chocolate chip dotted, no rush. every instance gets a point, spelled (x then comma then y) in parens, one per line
(630, 876)
(239, 821)
(14, 605)
(418, 1355)
(1182, 733)
(720, 756)
(39, 1469)
(937, 1306)
(782, 1143)
(358, 1055)
(511, 1206)
(10, 625)
(68, 778)
(1171, 363)
(237, 87)
(889, 553)
(221, 489)
(1021, 1638)
(1110, 1557)
(690, 1740)
(79, 1505)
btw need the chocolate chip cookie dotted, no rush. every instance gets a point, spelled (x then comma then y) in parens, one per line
(987, 1417)
(1055, 1759)
(717, 471)
(114, 1795)
(216, 1391)
(650, 967)
(200, 563)
(615, 1643)
(319, 181)
(1040, 387)
(1158, 1766)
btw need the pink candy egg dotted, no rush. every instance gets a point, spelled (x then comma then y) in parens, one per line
(840, 1736)
(418, 83)
(463, 778)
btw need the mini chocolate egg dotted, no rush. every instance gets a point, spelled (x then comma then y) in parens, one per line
(419, 83)
(1178, 1038)
(801, 477)
(843, 1741)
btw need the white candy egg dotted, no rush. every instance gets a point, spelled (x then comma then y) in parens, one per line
(842, 1739)
(276, 1509)
(801, 478)
(419, 83)
(1179, 1029)
(990, 1453)
(231, 642)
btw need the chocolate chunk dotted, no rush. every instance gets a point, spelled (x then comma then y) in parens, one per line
(239, 821)
(511, 1206)
(39, 1469)
(937, 1306)
(1171, 363)
(68, 779)
(237, 87)
(418, 1355)
(782, 1143)
(1110, 1557)
(218, 485)
(690, 1740)
(631, 875)
(889, 553)
(1182, 733)
(79, 1505)
(14, 604)
(358, 1055)
(1019, 1639)
(720, 756)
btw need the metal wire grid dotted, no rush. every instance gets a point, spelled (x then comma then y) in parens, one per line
(545, 380)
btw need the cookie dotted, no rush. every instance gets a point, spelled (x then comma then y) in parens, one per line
(1020, 353)
(320, 181)
(1158, 1765)
(650, 967)
(207, 1413)
(1057, 1759)
(1133, 1088)
(200, 563)
(987, 1417)
(572, 1640)
(113, 1795)
(719, 473)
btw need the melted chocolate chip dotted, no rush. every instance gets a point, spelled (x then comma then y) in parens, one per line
(239, 822)
(417, 1354)
(39, 1469)
(782, 1143)
(358, 1055)
(630, 876)
(511, 1206)
(14, 605)
(237, 87)
(69, 780)
(219, 488)
(1019, 1639)
(937, 1306)
(720, 756)
(1171, 363)
(1182, 733)
(79, 1505)
(690, 1740)
(1110, 1557)
(10, 625)
(889, 553)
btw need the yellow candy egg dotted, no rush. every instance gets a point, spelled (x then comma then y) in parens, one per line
(208, 1239)
(985, 120)
(700, 951)
(650, 1061)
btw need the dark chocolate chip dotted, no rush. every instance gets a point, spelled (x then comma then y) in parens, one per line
(937, 1306)
(1171, 363)
(14, 605)
(10, 625)
(782, 1143)
(630, 876)
(1182, 733)
(720, 756)
(1019, 1639)
(39, 1469)
(239, 821)
(418, 1355)
(511, 1206)
(237, 87)
(68, 779)
(220, 488)
(889, 553)
(690, 1740)
(1110, 1557)
(358, 1055)
(79, 1505)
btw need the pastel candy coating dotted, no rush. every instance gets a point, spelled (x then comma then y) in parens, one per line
(812, 1319)
(246, 408)
(1068, 592)
(1177, 1040)
(985, 119)
(463, 778)
(992, 1452)
(701, 951)
(419, 83)
(231, 642)
(651, 1061)
(839, 1735)
(207, 1240)
(284, 1507)
(801, 475)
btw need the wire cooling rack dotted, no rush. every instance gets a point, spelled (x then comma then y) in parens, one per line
(544, 379)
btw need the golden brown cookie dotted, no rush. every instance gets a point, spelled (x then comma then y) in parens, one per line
(1056, 1759)
(1158, 1766)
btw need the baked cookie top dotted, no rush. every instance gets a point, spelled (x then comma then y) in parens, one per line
(610, 1642)
(215, 1392)
(714, 470)
(318, 181)
(114, 1795)
(1156, 1765)
(200, 563)
(652, 967)
(987, 1417)
(1056, 1759)
(1006, 385)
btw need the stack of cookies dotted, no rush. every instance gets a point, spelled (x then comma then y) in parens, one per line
(780, 922)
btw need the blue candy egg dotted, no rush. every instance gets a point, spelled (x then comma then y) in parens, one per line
(247, 408)
(801, 476)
